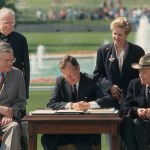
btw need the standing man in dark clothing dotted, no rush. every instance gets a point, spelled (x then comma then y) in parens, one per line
(18, 43)
(135, 127)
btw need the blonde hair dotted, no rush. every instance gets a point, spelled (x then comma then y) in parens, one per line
(121, 22)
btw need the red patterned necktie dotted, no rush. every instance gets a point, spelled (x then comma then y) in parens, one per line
(2, 80)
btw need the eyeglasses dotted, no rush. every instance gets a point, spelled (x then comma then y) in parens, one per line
(8, 60)
(69, 76)
(8, 23)
(73, 73)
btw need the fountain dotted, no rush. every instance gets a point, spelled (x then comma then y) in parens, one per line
(51, 69)
(143, 34)
(40, 53)
(33, 65)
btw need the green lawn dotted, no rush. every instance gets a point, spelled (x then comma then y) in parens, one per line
(39, 99)
(69, 41)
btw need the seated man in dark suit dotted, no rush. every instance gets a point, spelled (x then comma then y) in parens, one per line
(87, 95)
(135, 127)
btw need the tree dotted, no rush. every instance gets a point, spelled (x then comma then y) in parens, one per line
(2, 3)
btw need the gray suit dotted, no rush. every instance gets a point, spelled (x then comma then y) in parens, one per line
(13, 95)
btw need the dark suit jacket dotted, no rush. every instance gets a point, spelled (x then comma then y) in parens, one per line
(20, 49)
(135, 99)
(88, 90)
(108, 71)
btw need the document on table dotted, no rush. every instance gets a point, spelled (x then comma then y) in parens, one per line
(102, 111)
(50, 111)
(71, 111)
(42, 112)
(68, 111)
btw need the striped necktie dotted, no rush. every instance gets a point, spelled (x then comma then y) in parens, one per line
(2, 80)
(148, 94)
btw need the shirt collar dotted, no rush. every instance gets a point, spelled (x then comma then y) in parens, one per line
(1, 74)
(126, 47)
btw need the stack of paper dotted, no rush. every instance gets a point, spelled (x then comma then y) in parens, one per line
(42, 112)
(71, 111)
(102, 111)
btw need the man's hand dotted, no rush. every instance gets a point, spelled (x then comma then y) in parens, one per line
(5, 120)
(142, 113)
(80, 106)
(6, 111)
(115, 92)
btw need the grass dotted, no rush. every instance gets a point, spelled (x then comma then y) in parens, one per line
(69, 41)
(39, 99)
(80, 3)
(28, 8)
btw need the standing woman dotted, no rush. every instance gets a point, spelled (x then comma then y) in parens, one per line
(113, 64)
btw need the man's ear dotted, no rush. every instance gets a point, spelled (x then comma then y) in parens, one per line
(78, 68)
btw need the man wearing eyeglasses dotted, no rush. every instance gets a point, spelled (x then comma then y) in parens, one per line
(12, 99)
(18, 43)
(87, 95)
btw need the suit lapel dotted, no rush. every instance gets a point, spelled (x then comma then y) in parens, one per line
(68, 88)
(112, 53)
(81, 88)
(141, 94)
(113, 65)
(127, 56)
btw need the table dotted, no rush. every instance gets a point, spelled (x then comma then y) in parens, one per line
(72, 124)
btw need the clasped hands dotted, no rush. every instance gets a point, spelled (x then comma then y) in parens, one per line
(143, 113)
(80, 106)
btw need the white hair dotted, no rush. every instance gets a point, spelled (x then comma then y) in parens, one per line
(9, 11)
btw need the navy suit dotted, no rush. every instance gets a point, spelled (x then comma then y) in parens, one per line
(135, 131)
(88, 90)
(107, 66)
(135, 98)
(20, 49)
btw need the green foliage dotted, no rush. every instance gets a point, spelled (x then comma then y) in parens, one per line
(2, 3)
(28, 8)
(81, 3)
(9, 4)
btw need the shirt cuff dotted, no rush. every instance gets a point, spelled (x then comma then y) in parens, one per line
(94, 105)
(68, 105)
